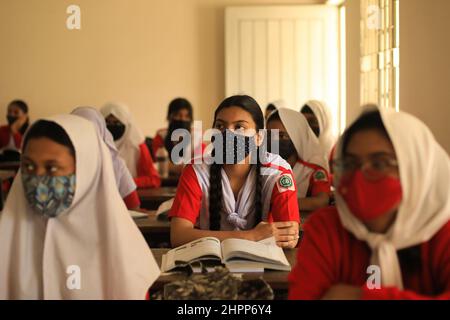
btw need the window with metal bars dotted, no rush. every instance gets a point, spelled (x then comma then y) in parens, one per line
(380, 52)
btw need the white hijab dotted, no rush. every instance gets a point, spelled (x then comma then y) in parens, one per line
(425, 177)
(124, 180)
(327, 138)
(95, 234)
(307, 147)
(128, 144)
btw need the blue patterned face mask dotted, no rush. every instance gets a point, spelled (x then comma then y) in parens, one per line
(49, 195)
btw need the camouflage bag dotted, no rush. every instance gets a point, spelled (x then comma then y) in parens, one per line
(219, 284)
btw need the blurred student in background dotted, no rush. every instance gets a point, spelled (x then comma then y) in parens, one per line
(131, 145)
(124, 180)
(301, 149)
(18, 122)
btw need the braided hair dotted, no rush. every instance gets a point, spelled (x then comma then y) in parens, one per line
(249, 105)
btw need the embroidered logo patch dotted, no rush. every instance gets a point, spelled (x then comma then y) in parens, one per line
(285, 183)
(320, 175)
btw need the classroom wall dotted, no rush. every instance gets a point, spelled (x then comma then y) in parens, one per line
(140, 52)
(352, 23)
(425, 64)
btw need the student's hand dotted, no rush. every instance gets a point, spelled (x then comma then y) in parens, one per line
(286, 234)
(15, 127)
(343, 292)
(262, 231)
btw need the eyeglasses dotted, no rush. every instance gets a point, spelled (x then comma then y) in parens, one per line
(375, 167)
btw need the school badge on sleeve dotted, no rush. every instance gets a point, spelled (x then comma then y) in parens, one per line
(285, 183)
(320, 175)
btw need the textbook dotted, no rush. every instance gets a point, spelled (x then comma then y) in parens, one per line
(236, 254)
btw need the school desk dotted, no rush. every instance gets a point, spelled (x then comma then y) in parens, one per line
(151, 198)
(155, 232)
(278, 280)
(10, 165)
(170, 181)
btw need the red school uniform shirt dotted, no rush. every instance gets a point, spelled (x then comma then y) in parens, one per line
(5, 136)
(319, 180)
(147, 176)
(188, 200)
(329, 255)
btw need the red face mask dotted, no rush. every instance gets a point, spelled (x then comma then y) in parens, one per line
(368, 200)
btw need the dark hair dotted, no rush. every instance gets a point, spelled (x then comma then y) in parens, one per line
(24, 107)
(20, 104)
(371, 120)
(248, 104)
(50, 130)
(271, 106)
(274, 116)
(179, 104)
(306, 109)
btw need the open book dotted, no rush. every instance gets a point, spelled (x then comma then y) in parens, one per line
(236, 254)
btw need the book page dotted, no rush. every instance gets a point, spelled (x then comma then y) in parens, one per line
(254, 251)
(196, 249)
(138, 215)
(165, 206)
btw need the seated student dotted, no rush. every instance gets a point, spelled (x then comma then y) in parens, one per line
(320, 120)
(65, 232)
(300, 148)
(180, 116)
(124, 180)
(131, 145)
(235, 198)
(392, 221)
(18, 121)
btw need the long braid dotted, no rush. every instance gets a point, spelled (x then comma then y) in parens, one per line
(258, 191)
(215, 196)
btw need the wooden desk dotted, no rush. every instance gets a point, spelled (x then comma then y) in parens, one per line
(278, 280)
(152, 198)
(170, 181)
(155, 232)
(10, 165)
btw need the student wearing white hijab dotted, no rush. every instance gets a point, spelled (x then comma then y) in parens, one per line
(300, 148)
(124, 180)
(131, 145)
(389, 237)
(272, 106)
(320, 120)
(65, 232)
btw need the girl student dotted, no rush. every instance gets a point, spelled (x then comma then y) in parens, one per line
(300, 148)
(65, 232)
(318, 115)
(180, 115)
(389, 235)
(124, 180)
(18, 122)
(131, 145)
(233, 193)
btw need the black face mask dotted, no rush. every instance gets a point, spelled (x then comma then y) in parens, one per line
(117, 130)
(179, 124)
(285, 147)
(234, 147)
(11, 119)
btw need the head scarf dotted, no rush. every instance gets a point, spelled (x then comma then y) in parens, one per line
(128, 144)
(95, 235)
(425, 208)
(124, 180)
(327, 138)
